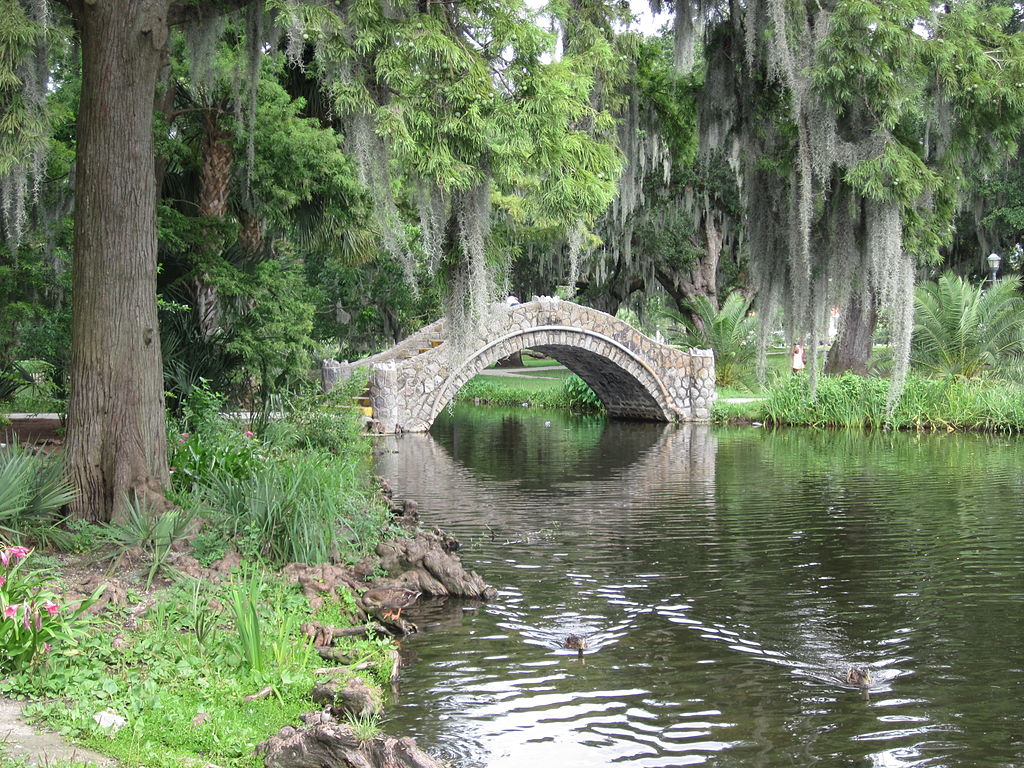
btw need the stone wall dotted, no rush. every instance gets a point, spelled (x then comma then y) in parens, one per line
(635, 376)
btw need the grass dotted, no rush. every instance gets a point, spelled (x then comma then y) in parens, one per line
(568, 392)
(184, 697)
(927, 404)
(297, 489)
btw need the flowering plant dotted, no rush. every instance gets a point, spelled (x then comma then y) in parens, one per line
(31, 619)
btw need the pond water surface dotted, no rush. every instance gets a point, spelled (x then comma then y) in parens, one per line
(726, 579)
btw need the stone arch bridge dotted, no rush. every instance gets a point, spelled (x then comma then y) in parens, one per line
(635, 376)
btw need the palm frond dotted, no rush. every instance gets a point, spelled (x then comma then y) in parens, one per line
(962, 330)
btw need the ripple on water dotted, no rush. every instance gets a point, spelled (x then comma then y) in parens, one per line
(725, 581)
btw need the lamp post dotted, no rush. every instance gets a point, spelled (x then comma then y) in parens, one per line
(993, 265)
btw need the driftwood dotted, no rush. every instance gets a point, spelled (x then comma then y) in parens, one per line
(427, 563)
(261, 694)
(335, 744)
(328, 653)
(324, 634)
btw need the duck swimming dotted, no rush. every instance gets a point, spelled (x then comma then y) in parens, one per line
(858, 676)
(575, 643)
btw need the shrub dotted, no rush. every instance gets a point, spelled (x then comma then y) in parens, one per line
(963, 330)
(729, 331)
(578, 396)
(32, 491)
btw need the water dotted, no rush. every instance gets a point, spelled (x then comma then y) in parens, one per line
(726, 579)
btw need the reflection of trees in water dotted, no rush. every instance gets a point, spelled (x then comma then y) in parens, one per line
(571, 458)
(868, 521)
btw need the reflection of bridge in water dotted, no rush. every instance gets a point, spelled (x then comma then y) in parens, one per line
(634, 376)
(643, 460)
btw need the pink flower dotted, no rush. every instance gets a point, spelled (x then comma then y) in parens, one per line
(185, 435)
(19, 552)
(11, 610)
(50, 608)
(3, 580)
(5, 558)
(249, 434)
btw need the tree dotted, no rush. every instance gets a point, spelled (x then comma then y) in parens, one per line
(449, 101)
(116, 445)
(849, 126)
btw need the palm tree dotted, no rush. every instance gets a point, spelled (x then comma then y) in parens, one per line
(729, 331)
(961, 330)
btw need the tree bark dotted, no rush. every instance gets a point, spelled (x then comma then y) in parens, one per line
(214, 190)
(852, 348)
(515, 360)
(116, 430)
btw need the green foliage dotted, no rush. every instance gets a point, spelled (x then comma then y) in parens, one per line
(245, 601)
(153, 531)
(32, 620)
(224, 450)
(963, 330)
(181, 676)
(730, 331)
(571, 393)
(364, 726)
(578, 396)
(298, 493)
(927, 404)
(13, 379)
(32, 491)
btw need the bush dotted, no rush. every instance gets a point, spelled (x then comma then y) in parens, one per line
(729, 331)
(578, 396)
(964, 331)
(298, 493)
(32, 491)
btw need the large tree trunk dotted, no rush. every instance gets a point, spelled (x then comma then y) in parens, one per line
(116, 432)
(852, 348)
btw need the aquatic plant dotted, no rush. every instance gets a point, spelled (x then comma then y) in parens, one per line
(926, 404)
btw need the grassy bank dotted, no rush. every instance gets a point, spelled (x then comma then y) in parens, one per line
(180, 657)
(927, 404)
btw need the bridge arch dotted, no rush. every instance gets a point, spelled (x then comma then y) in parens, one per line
(634, 376)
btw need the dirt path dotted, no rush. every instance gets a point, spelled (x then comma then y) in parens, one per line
(20, 741)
